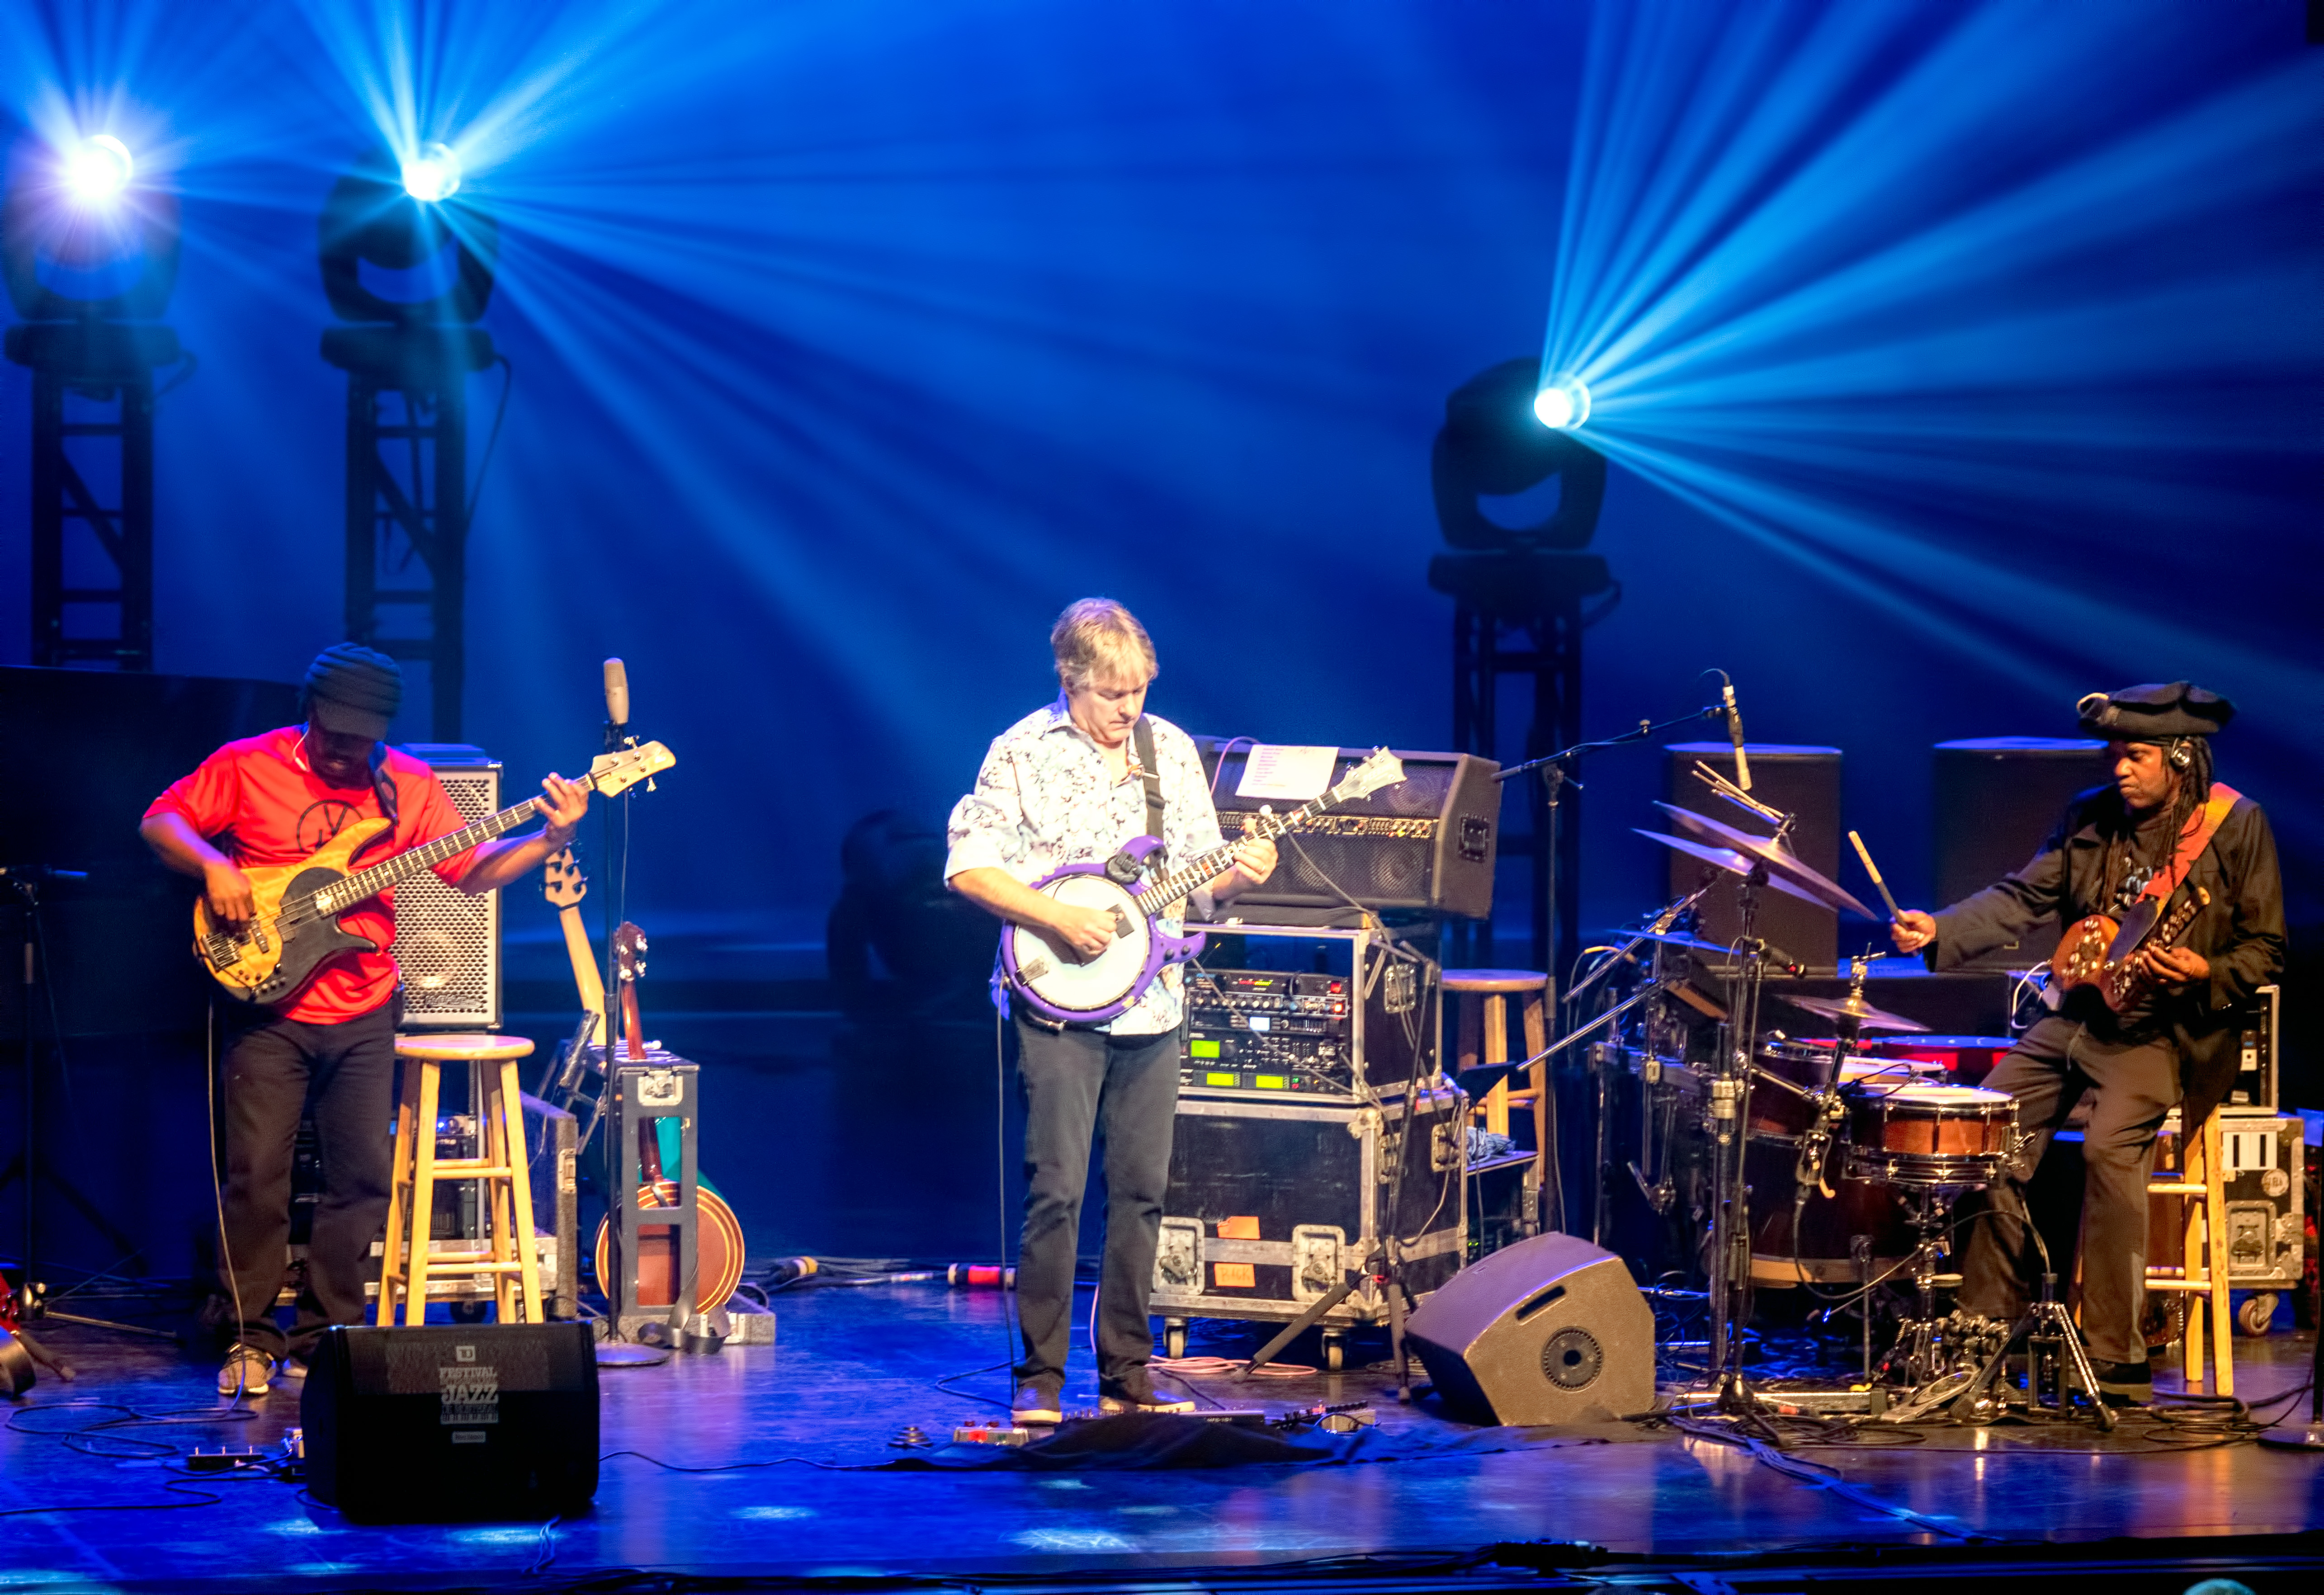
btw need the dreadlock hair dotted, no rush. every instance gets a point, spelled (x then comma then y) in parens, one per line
(2194, 791)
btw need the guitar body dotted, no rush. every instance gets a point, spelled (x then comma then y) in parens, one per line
(717, 1247)
(2104, 953)
(1069, 988)
(256, 967)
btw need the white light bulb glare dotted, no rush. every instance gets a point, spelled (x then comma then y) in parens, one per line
(1562, 406)
(432, 174)
(100, 169)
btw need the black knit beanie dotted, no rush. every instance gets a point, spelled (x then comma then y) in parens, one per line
(354, 690)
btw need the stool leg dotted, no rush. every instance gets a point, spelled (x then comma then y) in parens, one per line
(2215, 1258)
(2192, 1166)
(521, 1190)
(423, 1193)
(399, 1163)
(1536, 1037)
(492, 1202)
(1465, 1049)
(1497, 1051)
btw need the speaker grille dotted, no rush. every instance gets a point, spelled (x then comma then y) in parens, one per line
(1572, 1358)
(448, 943)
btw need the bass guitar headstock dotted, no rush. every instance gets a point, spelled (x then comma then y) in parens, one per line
(562, 882)
(1382, 768)
(623, 768)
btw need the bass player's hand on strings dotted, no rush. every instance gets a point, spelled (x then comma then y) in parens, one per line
(564, 804)
(2176, 967)
(227, 890)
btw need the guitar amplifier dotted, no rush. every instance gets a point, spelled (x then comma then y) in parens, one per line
(1427, 842)
(1994, 800)
(447, 944)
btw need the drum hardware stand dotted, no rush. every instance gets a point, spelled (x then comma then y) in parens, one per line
(1730, 1104)
(2054, 1348)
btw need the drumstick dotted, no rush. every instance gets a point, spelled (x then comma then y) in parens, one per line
(1872, 870)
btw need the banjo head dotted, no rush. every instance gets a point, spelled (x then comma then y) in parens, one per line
(1065, 979)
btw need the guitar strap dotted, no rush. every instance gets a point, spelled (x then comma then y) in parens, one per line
(1149, 773)
(382, 783)
(2194, 840)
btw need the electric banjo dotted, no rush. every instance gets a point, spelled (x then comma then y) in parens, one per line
(1069, 988)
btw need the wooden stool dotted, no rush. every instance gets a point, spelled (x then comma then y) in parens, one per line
(2198, 1184)
(504, 1193)
(1485, 1019)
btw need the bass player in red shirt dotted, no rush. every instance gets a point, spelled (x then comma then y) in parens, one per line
(275, 800)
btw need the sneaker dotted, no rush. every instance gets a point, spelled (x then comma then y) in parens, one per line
(2125, 1384)
(291, 1367)
(247, 1371)
(1034, 1403)
(1138, 1393)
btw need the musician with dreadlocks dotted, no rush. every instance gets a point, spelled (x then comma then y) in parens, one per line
(2164, 829)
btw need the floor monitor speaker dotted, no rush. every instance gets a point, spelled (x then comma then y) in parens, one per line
(1549, 1330)
(428, 1423)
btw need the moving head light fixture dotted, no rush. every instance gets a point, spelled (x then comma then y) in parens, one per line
(89, 255)
(408, 269)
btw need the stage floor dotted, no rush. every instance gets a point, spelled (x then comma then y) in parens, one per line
(854, 1365)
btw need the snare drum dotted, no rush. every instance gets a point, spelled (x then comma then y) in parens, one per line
(1924, 1134)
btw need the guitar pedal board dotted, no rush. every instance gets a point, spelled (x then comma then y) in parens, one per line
(1342, 1020)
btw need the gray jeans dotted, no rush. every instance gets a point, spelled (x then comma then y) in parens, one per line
(1078, 1084)
(2133, 1087)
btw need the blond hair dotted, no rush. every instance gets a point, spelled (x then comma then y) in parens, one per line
(1098, 637)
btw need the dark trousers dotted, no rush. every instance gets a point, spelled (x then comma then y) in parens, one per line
(1077, 1082)
(273, 1071)
(2133, 1088)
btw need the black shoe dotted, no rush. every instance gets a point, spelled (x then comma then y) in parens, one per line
(1035, 1404)
(1136, 1393)
(2125, 1384)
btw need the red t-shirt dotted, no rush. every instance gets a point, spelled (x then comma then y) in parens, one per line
(257, 802)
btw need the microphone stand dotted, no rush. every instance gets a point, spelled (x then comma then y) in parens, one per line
(1554, 778)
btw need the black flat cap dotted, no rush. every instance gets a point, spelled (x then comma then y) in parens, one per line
(2152, 711)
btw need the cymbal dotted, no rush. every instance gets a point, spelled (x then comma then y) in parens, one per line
(1867, 1017)
(1782, 864)
(1729, 860)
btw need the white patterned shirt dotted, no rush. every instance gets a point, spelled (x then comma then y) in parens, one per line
(1042, 800)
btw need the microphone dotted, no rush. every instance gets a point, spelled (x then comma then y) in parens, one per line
(617, 702)
(1734, 734)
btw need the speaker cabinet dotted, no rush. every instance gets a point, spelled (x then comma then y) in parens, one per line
(1994, 801)
(447, 944)
(429, 1424)
(1427, 842)
(1802, 781)
(1549, 1330)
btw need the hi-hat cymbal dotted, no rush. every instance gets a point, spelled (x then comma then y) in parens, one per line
(1867, 1017)
(1782, 864)
(1732, 862)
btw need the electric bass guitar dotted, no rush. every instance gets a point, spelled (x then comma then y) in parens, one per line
(1070, 987)
(2104, 953)
(294, 924)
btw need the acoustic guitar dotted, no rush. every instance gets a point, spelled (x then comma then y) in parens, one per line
(2104, 953)
(294, 924)
(719, 1248)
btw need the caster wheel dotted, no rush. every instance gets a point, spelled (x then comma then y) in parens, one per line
(2257, 1312)
(1173, 1341)
(1334, 1354)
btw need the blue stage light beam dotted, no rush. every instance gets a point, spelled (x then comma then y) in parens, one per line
(1816, 278)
